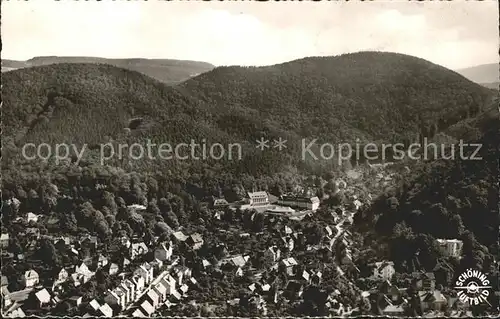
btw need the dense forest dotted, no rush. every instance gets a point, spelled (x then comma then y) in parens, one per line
(370, 97)
(444, 199)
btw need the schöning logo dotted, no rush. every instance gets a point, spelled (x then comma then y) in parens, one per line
(473, 287)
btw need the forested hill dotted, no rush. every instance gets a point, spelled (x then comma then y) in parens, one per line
(484, 73)
(372, 95)
(445, 199)
(165, 70)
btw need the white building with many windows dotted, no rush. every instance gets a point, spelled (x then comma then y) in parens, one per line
(258, 199)
(310, 203)
(451, 247)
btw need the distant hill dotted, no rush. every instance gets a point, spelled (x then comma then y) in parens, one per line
(370, 96)
(493, 85)
(165, 70)
(485, 74)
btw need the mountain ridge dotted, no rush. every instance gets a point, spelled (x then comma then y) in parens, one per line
(370, 97)
(168, 71)
(484, 74)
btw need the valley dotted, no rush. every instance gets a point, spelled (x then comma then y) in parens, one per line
(143, 236)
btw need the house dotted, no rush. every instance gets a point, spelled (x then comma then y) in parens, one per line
(176, 295)
(124, 241)
(161, 291)
(164, 252)
(169, 283)
(138, 314)
(101, 261)
(272, 253)
(184, 289)
(288, 243)
(309, 203)
(289, 264)
(357, 204)
(383, 269)
(153, 298)
(76, 279)
(347, 257)
(147, 308)
(146, 272)
(239, 272)
(43, 297)
(75, 301)
(393, 310)
(432, 300)
(125, 262)
(258, 199)
(218, 215)
(90, 242)
(56, 300)
(122, 296)
(106, 311)
(394, 294)
(131, 288)
(180, 272)
(450, 247)
(63, 241)
(205, 263)
(4, 240)
(219, 203)
(94, 305)
(137, 207)
(329, 231)
(30, 278)
(84, 272)
(306, 276)
(113, 269)
(5, 281)
(62, 276)
(265, 288)
(30, 217)
(157, 265)
(115, 297)
(195, 241)
(138, 282)
(16, 313)
(126, 290)
(238, 261)
(137, 250)
(74, 251)
(424, 281)
(179, 236)
(316, 278)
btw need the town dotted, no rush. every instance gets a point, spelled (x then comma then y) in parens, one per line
(293, 254)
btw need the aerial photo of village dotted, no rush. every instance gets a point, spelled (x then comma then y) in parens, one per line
(326, 159)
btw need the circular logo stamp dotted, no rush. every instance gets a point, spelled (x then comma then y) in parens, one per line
(472, 286)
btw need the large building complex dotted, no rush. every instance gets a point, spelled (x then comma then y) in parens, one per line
(311, 203)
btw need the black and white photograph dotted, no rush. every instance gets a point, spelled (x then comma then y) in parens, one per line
(250, 159)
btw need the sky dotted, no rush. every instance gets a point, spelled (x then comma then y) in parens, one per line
(455, 34)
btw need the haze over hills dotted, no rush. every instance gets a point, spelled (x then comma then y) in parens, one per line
(370, 96)
(484, 74)
(165, 70)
